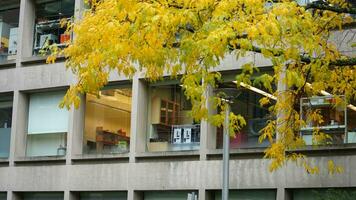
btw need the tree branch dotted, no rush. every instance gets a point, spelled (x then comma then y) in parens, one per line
(304, 59)
(319, 6)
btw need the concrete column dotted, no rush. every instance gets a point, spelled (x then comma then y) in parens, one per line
(12, 196)
(70, 196)
(13, 130)
(26, 30)
(204, 128)
(207, 131)
(139, 109)
(281, 89)
(75, 131)
(134, 195)
(79, 8)
(19, 126)
(281, 194)
(202, 194)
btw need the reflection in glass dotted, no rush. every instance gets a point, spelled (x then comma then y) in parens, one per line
(9, 22)
(108, 121)
(48, 29)
(246, 103)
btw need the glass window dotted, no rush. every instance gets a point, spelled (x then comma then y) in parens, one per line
(248, 194)
(9, 22)
(47, 125)
(338, 121)
(3, 196)
(245, 102)
(330, 193)
(170, 195)
(108, 121)
(42, 196)
(5, 125)
(48, 30)
(103, 196)
(171, 128)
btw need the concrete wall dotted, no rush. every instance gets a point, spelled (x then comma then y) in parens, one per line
(138, 170)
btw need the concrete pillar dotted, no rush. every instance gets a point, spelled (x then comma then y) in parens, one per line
(26, 30)
(12, 196)
(204, 129)
(281, 89)
(79, 8)
(207, 131)
(139, 110)
(70, 195)
(75, 131)
(281, 194)
(202, 194)
(19, 126)
(134, 195)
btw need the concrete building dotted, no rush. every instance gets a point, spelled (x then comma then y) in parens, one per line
(136, 142)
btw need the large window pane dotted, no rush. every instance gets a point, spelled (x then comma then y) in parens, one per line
(9, 22)
(103, 196)
(171, 128)
(324, 194)
(2, 195)
(5, 125)
(43, 196)
(47, 125)
(339, 122)
(48, 30)
(248, 195)
(170, 195)
(108, 121)
(246, 103)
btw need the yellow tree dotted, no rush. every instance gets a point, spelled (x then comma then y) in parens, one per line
(191, 37)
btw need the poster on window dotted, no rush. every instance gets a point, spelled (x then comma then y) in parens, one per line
(187, 132)
(177, 136)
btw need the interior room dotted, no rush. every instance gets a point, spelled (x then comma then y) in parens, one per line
(171, 127)
(48, 29)
(108, 121)
(9, 22)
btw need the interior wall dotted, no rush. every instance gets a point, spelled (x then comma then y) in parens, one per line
(110, 115)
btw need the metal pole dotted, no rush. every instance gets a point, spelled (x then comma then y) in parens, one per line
(226, 155)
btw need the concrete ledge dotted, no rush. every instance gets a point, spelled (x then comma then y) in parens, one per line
(96, 157)
(8, 64)
(40, 159)
(241, 153)
(4, 161)
(336, 149)
(168, 154)
(39, 60)
(325, 150)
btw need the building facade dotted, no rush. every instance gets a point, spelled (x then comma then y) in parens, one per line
(137, 140)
